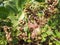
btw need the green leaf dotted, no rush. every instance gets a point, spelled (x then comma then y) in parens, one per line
(3, 12)
(40, 0)
(29, 41)
(57, 42)
(57, 33)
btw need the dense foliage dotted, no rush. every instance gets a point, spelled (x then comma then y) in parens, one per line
(29, 22)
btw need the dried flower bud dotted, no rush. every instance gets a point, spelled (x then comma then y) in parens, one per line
(5, 28)
(33, 26)
(8, 37)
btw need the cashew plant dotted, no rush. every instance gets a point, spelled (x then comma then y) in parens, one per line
(29, 22)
